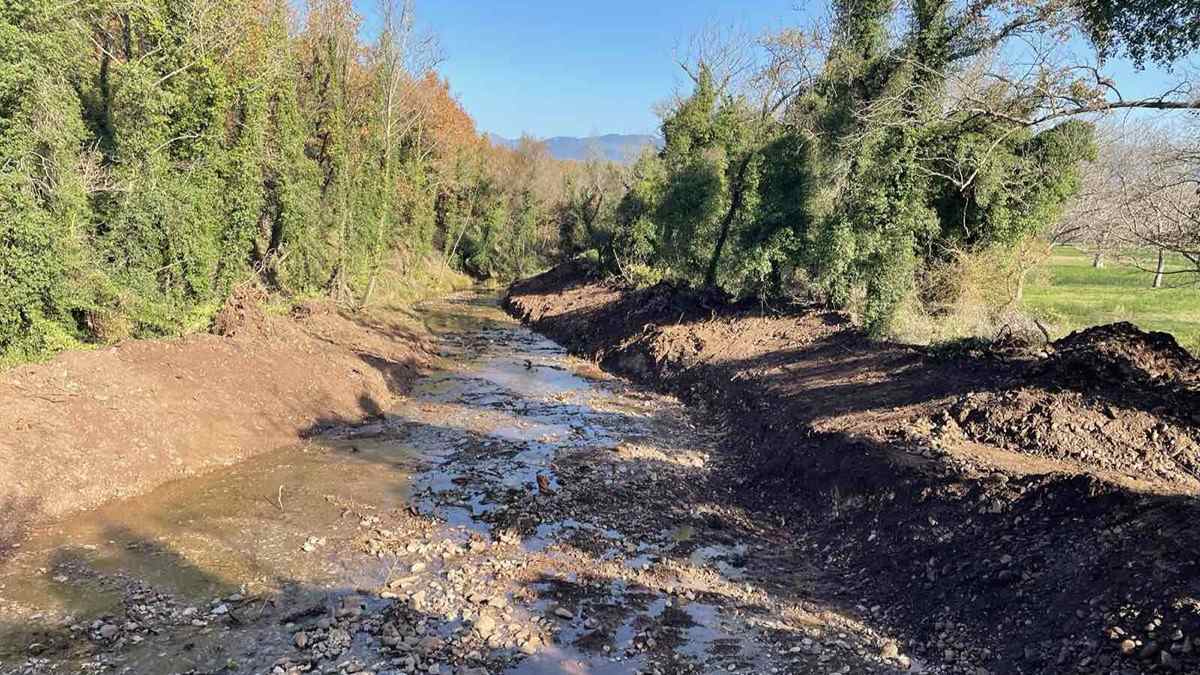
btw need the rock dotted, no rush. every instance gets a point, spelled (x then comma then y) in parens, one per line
(486, 625)
(1128, 646)
(351, 607)
(429, 645)
(890, 650)
(530, 646)
(564, 613)
(220, 610)
(300, 640)
(1150, 651)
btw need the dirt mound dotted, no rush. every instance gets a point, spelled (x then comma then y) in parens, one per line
(1078, 428)
(1114, 398)
(1122, 352)
(242, 314)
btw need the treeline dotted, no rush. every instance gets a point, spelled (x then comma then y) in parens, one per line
(156, 154)
(870, 162)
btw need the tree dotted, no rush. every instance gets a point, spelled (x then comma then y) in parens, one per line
(856, 157)
(155, 156)
(1160, 31)
(591, 191)
(1161, 205)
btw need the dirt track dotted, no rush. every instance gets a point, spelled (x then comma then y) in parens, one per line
(1013, 512)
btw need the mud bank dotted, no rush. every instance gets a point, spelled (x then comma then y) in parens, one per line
(89, 427)
(1031, 512)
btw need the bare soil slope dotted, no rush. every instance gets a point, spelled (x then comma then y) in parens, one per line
(1038, 511)
(88, 427)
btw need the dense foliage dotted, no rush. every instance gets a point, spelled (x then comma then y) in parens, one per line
(155, 154)
(852, 183)
(1160, 31)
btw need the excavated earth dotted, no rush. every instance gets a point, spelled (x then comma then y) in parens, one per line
(516, 511)
(444, 491)
(996, 510)
(92, 426)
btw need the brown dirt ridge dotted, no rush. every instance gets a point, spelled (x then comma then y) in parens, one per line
(92, 426)
(1034, 510)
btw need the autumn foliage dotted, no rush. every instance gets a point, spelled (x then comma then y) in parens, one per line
(155, 155)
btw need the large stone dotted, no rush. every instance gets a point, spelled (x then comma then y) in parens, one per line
(890, 650)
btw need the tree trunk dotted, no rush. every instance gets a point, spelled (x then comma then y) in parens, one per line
(1098, 260)
(710, 277)
(1161, 270)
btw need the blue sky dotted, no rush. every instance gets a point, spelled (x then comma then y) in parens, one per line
(573, 68)
(576, 68)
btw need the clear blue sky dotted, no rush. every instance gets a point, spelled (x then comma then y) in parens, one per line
(572, 67)
(581, 68)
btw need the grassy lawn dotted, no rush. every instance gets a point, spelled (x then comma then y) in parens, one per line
(1071, 294)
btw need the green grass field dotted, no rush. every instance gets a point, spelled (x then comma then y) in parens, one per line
(1068, 292)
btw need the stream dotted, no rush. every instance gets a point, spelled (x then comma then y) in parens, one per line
(520, 511)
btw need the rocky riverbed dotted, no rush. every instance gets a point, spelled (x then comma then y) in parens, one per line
(520, 511)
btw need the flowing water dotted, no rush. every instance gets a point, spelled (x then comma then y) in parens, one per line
(517, 512)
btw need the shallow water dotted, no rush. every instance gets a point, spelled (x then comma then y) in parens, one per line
(471, 441)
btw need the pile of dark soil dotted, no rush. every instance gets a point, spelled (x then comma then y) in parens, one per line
(1038, 514)
(1122, 353)
(1114, 398)
(1130, 367)
(1080, 428)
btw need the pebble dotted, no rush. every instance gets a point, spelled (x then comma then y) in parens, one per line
(486, 625)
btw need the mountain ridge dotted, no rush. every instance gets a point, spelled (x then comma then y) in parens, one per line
(623, 148)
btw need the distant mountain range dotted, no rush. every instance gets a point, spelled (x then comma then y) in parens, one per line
(613, 147)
